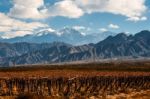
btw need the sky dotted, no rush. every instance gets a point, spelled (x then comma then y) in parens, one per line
(21, 17)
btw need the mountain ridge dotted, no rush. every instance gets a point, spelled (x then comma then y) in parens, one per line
(119, 46)
(66, 35)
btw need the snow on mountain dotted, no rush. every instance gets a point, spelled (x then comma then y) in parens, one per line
(67, 35)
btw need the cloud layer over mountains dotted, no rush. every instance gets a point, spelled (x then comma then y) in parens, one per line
(26, 17)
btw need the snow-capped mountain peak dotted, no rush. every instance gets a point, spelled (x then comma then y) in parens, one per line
(67, 35)
(45, 32)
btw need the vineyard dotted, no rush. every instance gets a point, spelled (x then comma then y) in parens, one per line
(76, 82)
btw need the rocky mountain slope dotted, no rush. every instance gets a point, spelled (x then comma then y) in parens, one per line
(119, 46)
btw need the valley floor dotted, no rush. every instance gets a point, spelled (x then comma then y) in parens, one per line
(77, 81)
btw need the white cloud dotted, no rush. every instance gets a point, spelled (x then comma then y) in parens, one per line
(103, 30)
(113, 26)
(135, 19)
(11, 34)
(27, 9)
(134, 10)
(82, 29)
(30, 9)
(128, 8)
(127, 32)
(10, 27)
(35, 9)
(47, 29)
(143, 18)
(66, 8)
(79, 28)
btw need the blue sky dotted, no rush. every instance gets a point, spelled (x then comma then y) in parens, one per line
(21, 17)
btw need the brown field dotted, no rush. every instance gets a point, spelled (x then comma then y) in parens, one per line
(126, 80)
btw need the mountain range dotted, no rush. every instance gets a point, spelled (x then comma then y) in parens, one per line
(118, 46)
(66, 35)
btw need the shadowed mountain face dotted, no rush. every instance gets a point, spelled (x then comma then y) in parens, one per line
(118, 46)
(17, 49)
